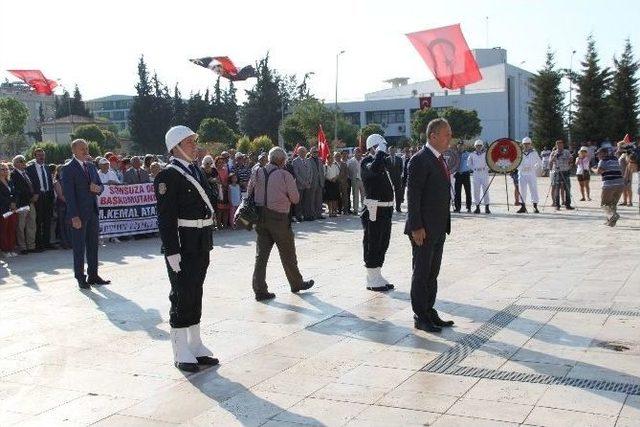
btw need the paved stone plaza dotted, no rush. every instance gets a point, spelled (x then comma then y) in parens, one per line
(547, 331)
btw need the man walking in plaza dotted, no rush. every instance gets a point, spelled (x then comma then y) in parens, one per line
(302, 172)
(42, 184)
(274, 191)
(527, 175)
(612, 184)
(353, 165)
(560, 171)
(462, 178)
(477, 163)
(185, 222)
(428, 223)
(81, 186)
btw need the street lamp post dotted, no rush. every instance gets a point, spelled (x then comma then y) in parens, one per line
(569, 122)
(335, 119)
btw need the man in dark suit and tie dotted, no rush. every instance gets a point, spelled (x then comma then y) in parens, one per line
(43, 187)
(81, 185)
(136, 175)
(25, 197)
(428, 222)
(394, 165)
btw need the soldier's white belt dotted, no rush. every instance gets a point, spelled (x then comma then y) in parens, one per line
(195, 223)
(373, 205)
(479, 169)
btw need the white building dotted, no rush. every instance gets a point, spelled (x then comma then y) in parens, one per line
(114, 108)
(501, 100)
(60, 131)
(36, 104)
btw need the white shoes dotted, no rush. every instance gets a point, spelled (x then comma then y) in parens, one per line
(375, 281)
(196, 347)
(180, 345)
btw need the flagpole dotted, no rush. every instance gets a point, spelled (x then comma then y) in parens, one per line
(487, 31)
(335, 118)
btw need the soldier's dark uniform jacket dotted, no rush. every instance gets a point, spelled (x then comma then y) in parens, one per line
(377, 187)
(177, 198)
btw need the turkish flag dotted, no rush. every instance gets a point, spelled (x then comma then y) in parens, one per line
(323, 145)
(447, 54)
(36, 80)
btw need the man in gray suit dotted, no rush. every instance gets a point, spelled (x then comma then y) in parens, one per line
(136, 175)
(317, 184)
(357, 190)
(302, 172)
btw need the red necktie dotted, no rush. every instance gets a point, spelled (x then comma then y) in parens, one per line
(443, 166)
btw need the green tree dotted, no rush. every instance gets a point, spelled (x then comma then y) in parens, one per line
(162, 115)
(196, 111)
(110, 140)
(465, 124)
(262, 111)
(141, 115)
(590, 122)
(368, 130)
(90, 133)
(229, 112)
(292, 132)
(244, 144)
(13, 118)
(547, 104)
(59, 153)
(216, 130)
(419, 122)
(261, 143)
(78, 108)
(623, 99)
(178, 107)
(63, 104)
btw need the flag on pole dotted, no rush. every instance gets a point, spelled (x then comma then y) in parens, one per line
(323, 145)
(446, 53)
(224, 67)
(36, 80)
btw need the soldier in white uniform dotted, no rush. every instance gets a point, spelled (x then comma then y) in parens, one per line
(477, 163)
(527, 175)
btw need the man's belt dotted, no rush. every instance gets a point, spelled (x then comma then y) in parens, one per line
(373, 205)
(195, 223)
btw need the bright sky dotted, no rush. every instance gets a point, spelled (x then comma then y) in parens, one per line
(97, 44)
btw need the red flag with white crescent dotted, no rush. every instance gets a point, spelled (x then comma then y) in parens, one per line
(323, 145)
(36, 80)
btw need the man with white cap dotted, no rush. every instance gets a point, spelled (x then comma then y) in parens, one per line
(477, 162)
(527, 175)
(376, 217)
(185, 223)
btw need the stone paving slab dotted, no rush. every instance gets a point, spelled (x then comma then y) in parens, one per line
(551, 298)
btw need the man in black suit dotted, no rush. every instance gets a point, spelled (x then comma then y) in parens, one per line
(43, 187)
(428, 222)
(25, 197)
(81, 185)
(394, 165)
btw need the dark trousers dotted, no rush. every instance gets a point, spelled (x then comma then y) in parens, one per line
(44, 213)
(186, 289)
(424, 280)
(345, 196)
(64, 230)
(376, 236)
(299, 210)
(275, 228)
(562, 179)
(85, 239)
(462, 179)
(398, 192)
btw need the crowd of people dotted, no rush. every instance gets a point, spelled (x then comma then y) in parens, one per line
(33, 206)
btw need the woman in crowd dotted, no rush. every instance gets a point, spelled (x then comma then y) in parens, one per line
(582, 172)
(235, 196)
(7, 204)
(628, 169)
(61, 209)
(223, 194)
(331, 188)
(211, 175)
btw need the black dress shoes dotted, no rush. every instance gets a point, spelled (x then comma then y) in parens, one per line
(263, 296)
(425, 324)
(82, 284)
(305, 285)
(383, 288)
(98, 281)
(187, 367)
(435, 318)
(207, 360)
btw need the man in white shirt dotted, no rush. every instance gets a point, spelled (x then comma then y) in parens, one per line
(357, 190)
(106, 174)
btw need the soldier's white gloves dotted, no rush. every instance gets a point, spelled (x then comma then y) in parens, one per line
(382, 147)
(174, 262)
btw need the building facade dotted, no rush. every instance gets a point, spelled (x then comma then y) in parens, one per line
(501, 100)
(60, 130)
(41, 107)
(114, 108)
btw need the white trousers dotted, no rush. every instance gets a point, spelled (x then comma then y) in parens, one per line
(530, 182)
(480, 183)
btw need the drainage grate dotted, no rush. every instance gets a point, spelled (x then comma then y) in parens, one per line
(449, 361)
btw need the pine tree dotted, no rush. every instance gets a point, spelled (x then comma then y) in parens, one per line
(77, 104)
(162, 115)
(63, 104)
(230, 108)
(178, 107)
(591, 122)
(547, 104)
(196, 111)
(623, 99)
(262, 111)
(141, 113)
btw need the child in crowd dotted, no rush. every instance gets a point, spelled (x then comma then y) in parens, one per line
(234, 197)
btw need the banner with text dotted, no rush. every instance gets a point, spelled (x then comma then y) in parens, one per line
(125, 210)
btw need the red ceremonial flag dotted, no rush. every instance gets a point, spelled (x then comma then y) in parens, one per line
(36, 80)
(447, 54)
(323, 145)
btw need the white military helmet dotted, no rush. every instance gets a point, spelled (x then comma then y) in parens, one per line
(375, 139)
(176, 135)
(478, 143)
(526, 140)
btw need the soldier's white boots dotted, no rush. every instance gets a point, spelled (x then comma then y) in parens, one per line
(180, 345)
(197, 348)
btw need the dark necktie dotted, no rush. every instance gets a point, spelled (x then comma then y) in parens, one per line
(86, 171)
(194, 172)
(138, 172)
(443, 166)
(44, 178)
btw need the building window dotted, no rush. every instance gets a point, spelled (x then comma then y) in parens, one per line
(117, 115)
(353, 118)
(385, 116)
